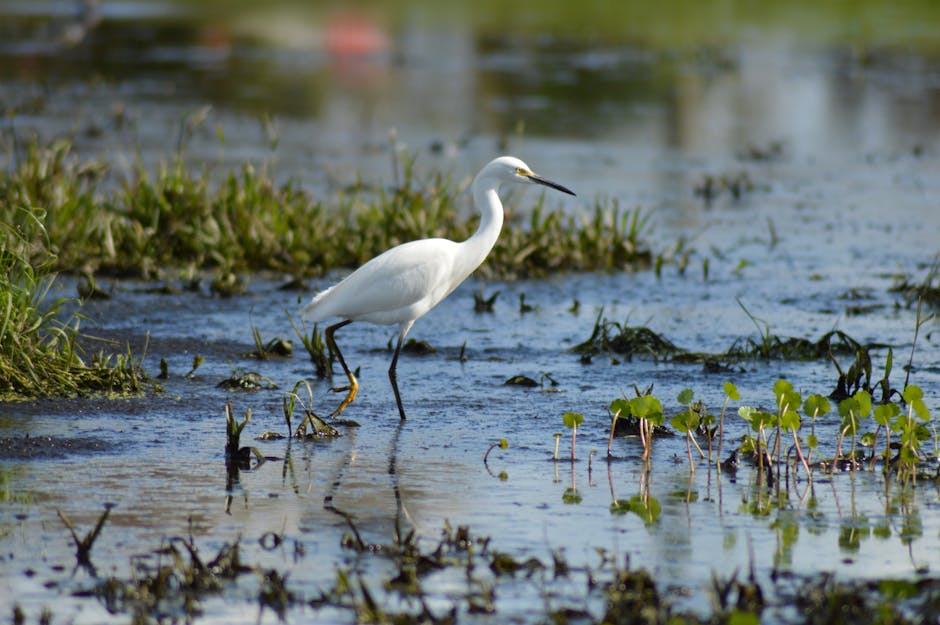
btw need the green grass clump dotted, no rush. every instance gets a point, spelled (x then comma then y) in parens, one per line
(176, 220)
(39, 355)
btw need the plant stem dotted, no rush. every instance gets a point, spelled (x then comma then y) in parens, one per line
(610, 439)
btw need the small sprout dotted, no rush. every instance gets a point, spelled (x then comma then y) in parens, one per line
(502, 444)
(483, 304)
(731, 394)
(572, 420)
(523, 307)
(649, 411)
(237, 457)
(557, 442)
(197, 360)
(276, 347)
(164, 370)
(617, 407)
(687, 421)
(316, 348)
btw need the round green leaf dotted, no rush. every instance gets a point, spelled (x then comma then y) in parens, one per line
(731, 391)
(572, 419)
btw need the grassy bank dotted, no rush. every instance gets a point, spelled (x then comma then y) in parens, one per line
(39, 355)
(177, 221)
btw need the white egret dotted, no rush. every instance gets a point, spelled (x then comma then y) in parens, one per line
(403, 283)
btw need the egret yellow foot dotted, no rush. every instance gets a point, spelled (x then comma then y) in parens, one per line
(350, 391)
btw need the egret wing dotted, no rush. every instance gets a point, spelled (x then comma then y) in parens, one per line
(402, 277)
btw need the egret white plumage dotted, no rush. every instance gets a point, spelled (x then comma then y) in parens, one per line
(405, 282)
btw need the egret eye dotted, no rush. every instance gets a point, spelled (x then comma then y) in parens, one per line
(522, 172)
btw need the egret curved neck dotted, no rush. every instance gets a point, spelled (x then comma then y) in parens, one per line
(478, 246)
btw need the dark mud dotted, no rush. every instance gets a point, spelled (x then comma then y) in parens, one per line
(49, 447)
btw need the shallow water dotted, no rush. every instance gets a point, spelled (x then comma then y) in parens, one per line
(849, 203)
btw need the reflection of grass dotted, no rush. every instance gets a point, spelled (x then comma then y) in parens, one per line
(177, 220)
(399, 581)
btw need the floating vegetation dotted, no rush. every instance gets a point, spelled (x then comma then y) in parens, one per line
(40, 354)
(521, 380)
(248, 381)
(773, 347)
(416, 347)
(178, 220)
(736, 185)
(612, 337)
(773, 151)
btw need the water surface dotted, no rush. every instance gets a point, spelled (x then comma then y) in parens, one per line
(844, 205)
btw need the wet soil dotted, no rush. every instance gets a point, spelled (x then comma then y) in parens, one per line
(45, 447)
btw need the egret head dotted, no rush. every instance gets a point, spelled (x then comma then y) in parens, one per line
(511, 169)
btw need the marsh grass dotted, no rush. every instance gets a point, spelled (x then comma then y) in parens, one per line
(40, 354)
(926, 290)
(178, 219)
(613, 337)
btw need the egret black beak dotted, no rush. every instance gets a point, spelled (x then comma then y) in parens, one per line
(549, 183)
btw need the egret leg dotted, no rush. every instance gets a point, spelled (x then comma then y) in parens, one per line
(353, 386)
(392, 373)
